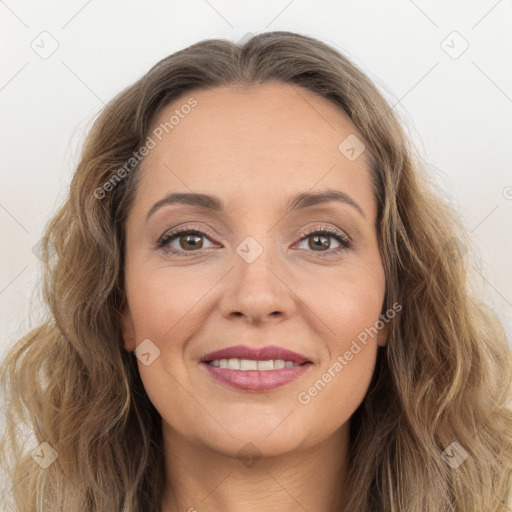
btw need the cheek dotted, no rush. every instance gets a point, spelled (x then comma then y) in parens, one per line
(161, 299)
(349, 307)
(347, 302)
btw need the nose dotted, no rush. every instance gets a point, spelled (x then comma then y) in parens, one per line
(258, 290)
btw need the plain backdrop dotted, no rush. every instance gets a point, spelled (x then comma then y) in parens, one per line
(445, 66)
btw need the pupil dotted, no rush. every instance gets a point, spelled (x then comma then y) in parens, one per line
(187, 239)
(324, 244)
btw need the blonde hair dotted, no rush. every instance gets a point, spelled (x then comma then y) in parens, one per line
(443, 377)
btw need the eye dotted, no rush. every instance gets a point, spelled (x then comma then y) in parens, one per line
(319, 240)
(189, 239)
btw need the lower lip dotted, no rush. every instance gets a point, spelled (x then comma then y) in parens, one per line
(255, 380)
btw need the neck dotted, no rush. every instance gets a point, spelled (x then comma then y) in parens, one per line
(200, 478)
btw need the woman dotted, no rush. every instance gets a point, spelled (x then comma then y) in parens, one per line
(257, 303)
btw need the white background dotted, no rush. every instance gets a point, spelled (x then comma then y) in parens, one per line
(458, 110)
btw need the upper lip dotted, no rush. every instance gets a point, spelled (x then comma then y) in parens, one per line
(256, 354)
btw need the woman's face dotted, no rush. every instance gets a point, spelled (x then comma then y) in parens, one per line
(255, 272)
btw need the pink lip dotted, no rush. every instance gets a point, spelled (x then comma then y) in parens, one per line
(256, 354)
(255, 380)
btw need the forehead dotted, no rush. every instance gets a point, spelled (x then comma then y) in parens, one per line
(268, 140)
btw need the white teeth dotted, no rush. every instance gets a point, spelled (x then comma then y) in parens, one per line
(232, 364)
(265, 365)
(250, 364)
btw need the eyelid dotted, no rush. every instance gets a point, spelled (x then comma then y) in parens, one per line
(322, 227)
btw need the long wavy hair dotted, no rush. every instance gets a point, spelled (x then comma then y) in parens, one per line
(444, 376)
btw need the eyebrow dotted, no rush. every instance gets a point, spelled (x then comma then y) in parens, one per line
(296, 202)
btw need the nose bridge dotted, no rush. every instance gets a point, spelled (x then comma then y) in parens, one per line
(256, 288)
(255, 256)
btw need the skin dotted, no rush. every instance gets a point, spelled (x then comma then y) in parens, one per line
(254, 147)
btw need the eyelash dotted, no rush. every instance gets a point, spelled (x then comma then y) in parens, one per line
(344, 240)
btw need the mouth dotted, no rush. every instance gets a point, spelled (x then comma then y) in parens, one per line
(249, 369)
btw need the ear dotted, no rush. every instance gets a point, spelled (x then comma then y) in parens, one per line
(382, 335)
(128, 329)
